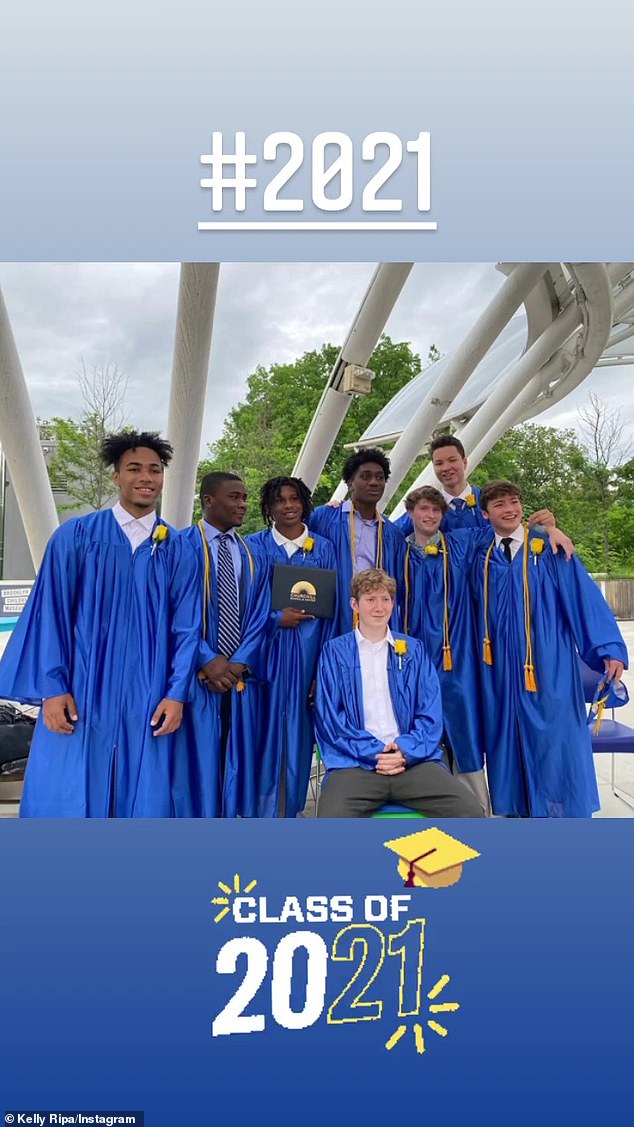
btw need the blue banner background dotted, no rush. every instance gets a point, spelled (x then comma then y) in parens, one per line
(109, 985)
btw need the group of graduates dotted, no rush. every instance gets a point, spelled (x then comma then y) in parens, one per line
(170, 688)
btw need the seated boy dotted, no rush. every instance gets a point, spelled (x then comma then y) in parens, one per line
(378, 717)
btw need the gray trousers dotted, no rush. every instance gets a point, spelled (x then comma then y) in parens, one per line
(352, 792)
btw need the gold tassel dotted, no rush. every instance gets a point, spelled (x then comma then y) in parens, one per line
(447, 661)
(488, 652)
(529, 679)
(599, 717)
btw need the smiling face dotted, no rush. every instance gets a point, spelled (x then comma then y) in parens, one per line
(226, 507)
(287, 510)
(450, 469)
(505, 514)
(426, 518)
(139, 479)
(368, 484)
(374, 608)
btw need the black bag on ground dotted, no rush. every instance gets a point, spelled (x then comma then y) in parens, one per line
(16, 733)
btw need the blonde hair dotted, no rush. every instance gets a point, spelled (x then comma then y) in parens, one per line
(373, 579)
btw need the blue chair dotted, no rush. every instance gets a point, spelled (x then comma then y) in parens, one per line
(612, 737)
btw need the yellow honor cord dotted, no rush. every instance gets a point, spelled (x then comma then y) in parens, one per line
(487, 654)
(447, 659)
(250, 557)
(530, 684)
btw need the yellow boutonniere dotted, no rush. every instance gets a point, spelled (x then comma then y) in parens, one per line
(537, 547)
(400, 649)
(309, 544)
(470, 500)
(431, 550)
(160, 533)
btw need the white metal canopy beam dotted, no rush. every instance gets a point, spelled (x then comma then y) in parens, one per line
(522, 279)
(560, 356)
(20, 441)
(504, 399)
(566, 369)
(194, 323)
(379, 300)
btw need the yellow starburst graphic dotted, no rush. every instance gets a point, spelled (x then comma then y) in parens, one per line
(230, 891)
(435, 1026)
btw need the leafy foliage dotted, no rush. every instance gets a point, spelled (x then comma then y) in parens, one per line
(263, 435)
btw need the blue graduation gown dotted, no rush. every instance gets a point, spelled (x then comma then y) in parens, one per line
(119, 630)
(287, 720)
(334, 524)
(204, 787)
(425, 609)
(470, 518)
(415, 694)
(538, 745)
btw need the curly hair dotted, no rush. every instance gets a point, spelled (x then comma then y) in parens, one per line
(355, 461)
(271, 492)
(114, 446)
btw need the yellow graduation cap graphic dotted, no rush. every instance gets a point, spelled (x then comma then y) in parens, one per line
(430, 858)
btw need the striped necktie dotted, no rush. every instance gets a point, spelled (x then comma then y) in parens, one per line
(228, 611)
(458, 504)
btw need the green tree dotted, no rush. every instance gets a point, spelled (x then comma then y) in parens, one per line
(263, 435)
(553, 471)
(548, 464)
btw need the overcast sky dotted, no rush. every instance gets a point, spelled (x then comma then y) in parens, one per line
(124, 313)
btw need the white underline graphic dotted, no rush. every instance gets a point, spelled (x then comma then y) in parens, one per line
(318, 226)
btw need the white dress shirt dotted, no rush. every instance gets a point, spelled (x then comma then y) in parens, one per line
(291, 546)
(137, 529)
(378, 713)
(449, 497)
(517, 540)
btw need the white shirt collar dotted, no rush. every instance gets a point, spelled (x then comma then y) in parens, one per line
(123, 517)
(282, 541)
(449, 497)
(363, 641)
(212, 533)
(517, 535)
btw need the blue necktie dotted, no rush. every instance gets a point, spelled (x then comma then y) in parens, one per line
(458, 504)
(228, 611)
